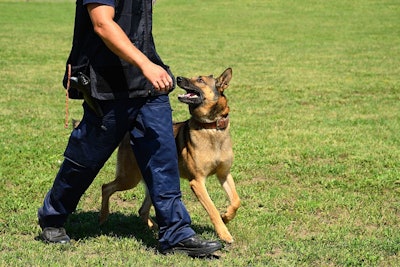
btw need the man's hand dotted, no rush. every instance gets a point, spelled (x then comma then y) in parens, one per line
(158, 77)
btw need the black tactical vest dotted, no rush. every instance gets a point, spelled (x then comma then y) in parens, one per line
(110, 76)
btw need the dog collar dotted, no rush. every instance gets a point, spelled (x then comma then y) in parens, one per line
(220, 124)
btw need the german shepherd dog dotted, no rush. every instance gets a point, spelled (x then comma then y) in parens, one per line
(204, 148)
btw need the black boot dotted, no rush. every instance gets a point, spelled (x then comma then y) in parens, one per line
(195, 247)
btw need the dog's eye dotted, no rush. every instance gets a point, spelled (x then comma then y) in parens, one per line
(200, 80)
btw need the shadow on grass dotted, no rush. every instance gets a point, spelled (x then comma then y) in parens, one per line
(84, 225)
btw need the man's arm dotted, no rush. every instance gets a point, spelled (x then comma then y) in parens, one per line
(117, 41)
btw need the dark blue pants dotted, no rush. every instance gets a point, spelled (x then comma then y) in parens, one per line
(149, 122)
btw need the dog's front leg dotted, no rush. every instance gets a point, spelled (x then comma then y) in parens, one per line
(199, 188)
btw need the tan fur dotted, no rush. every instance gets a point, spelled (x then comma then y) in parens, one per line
(202, 152)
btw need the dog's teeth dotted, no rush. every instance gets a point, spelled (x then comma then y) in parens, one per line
(189, 95)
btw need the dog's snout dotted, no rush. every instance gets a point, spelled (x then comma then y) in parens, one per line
(179, 79)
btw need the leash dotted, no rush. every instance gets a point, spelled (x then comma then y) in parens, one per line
(67, 97)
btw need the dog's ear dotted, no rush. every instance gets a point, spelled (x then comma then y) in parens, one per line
(224, 79)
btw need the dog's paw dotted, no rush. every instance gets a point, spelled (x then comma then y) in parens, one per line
(227, 217)
(227, 238)
(152, 224)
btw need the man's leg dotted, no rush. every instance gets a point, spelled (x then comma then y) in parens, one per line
(155, 150)
(89, 147)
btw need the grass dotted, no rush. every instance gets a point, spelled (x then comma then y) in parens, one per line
(314, 118)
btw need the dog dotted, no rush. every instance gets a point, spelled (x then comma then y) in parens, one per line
(204, 149)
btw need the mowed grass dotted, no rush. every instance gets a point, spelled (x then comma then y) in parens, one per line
(315, 100)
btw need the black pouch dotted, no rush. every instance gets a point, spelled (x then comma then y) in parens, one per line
(79, 81)
(76, 71)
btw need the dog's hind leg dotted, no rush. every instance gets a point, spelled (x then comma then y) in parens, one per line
(106, 191)
(199, 188)
(229, 186)
(144, 211)
(127, 176)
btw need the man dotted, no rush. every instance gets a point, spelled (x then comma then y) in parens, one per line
(128, 82)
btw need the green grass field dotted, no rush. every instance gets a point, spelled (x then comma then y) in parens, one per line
(315, 101)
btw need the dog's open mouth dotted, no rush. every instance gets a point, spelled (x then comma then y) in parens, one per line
(192, 97)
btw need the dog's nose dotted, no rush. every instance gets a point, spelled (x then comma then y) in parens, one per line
(178, 79)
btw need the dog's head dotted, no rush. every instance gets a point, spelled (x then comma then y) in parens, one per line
(205, 95)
